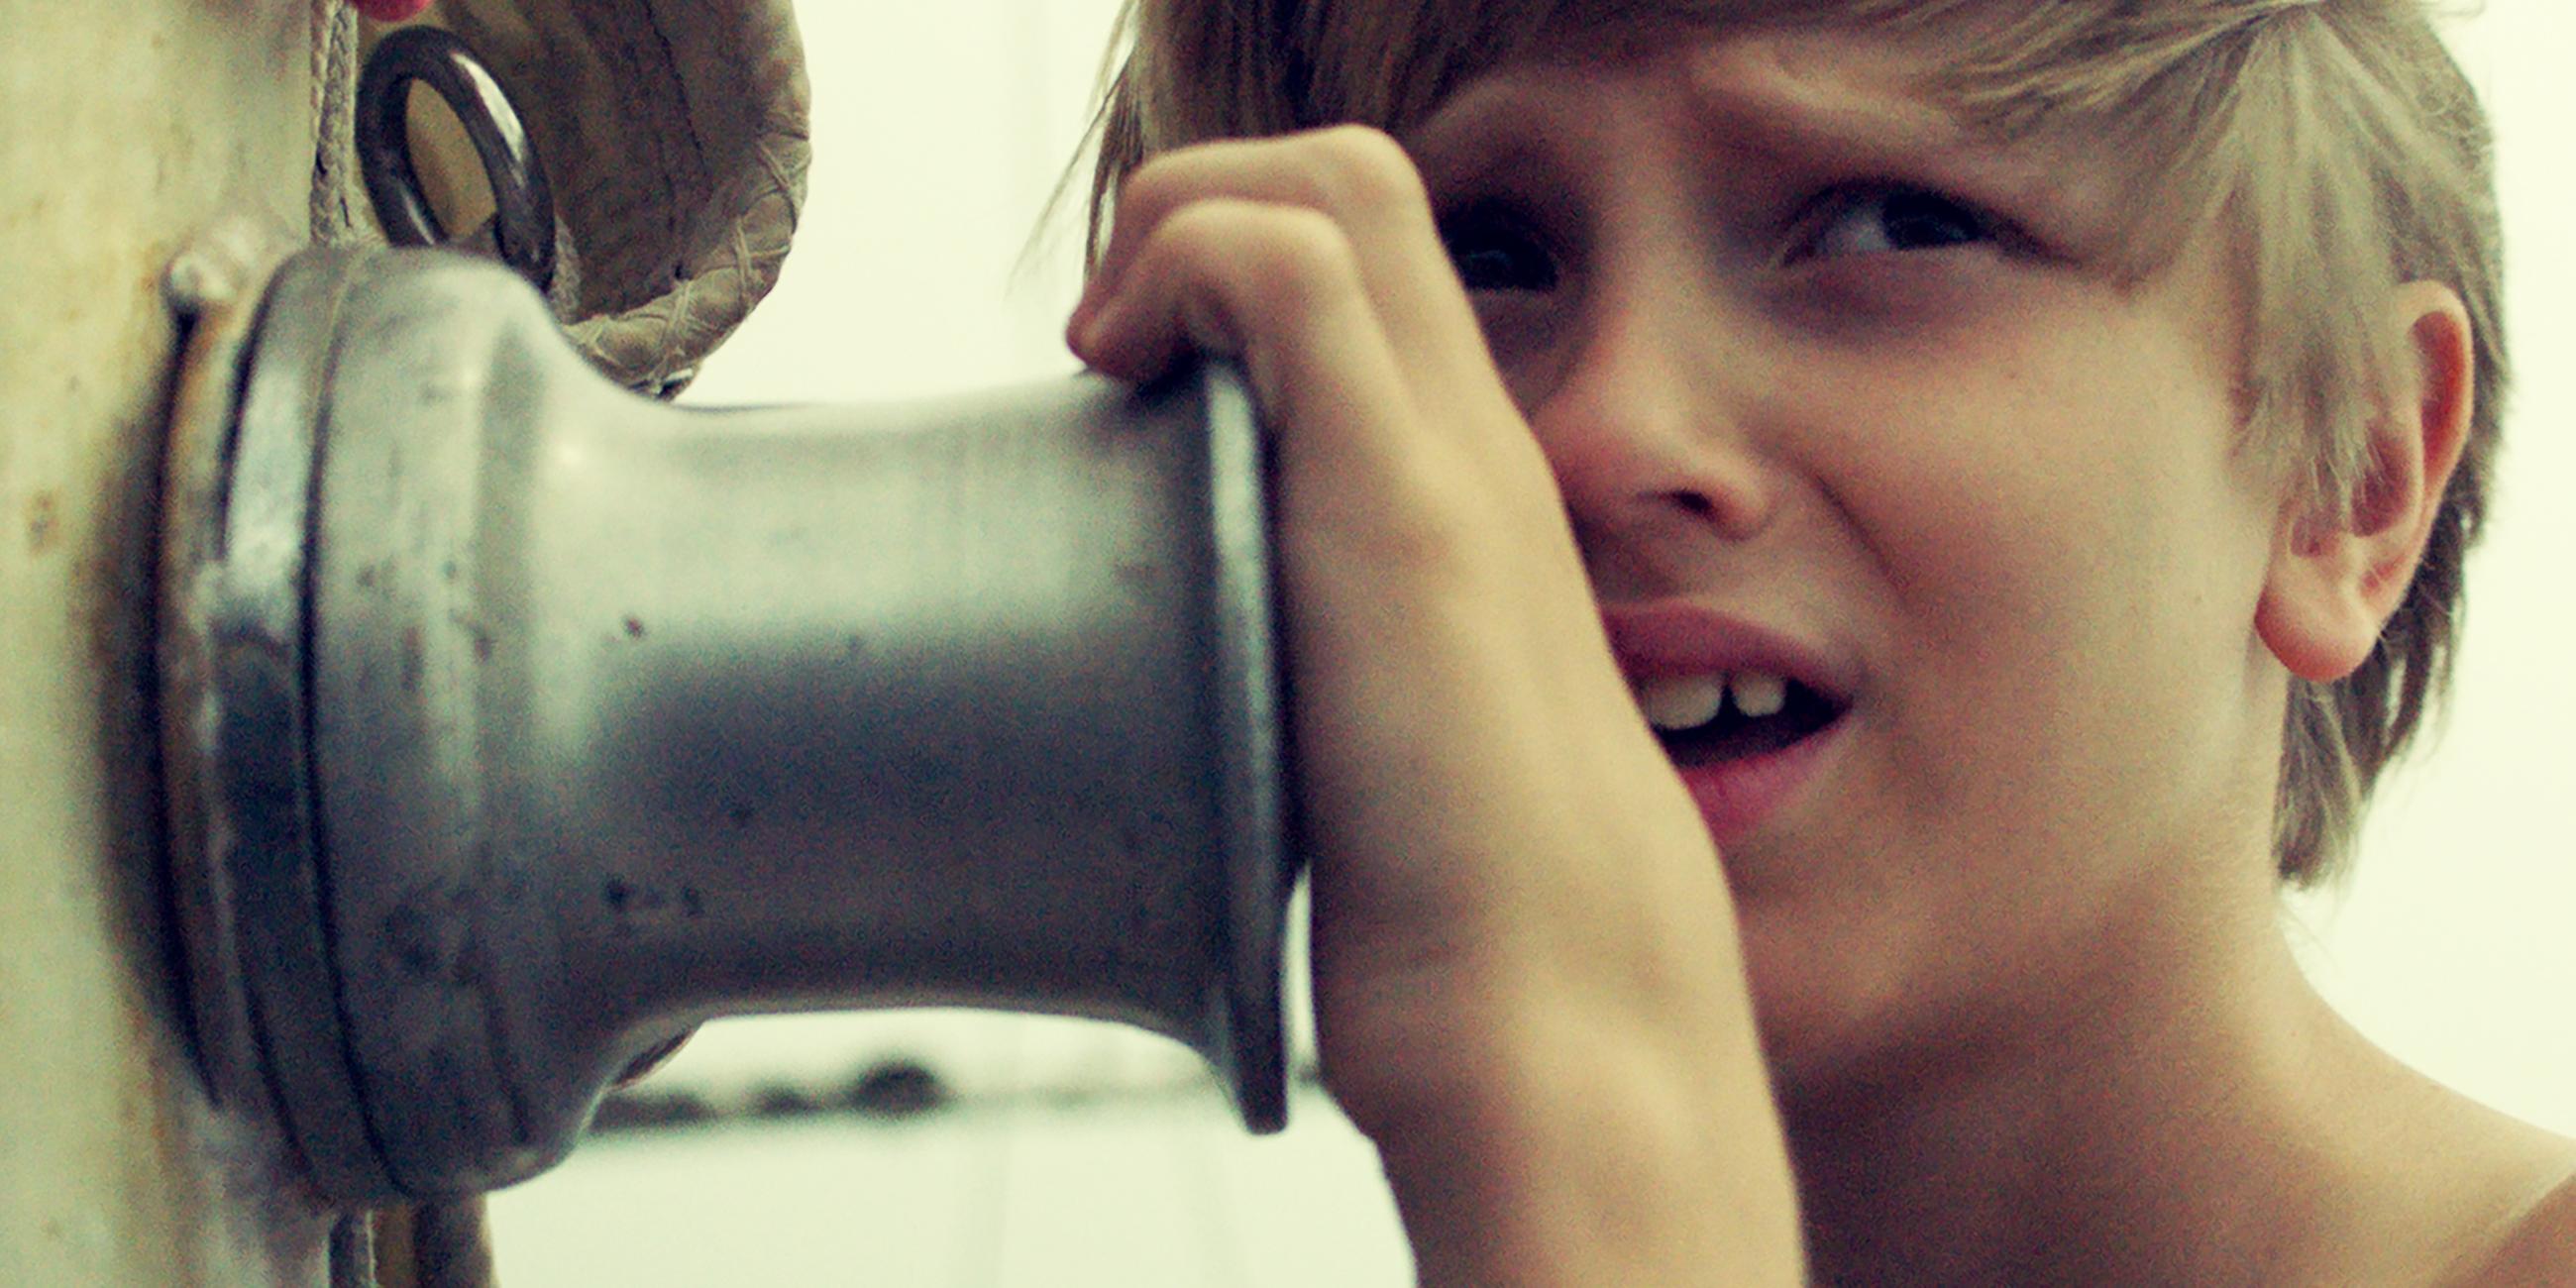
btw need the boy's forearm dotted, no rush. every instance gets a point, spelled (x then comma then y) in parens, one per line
(1573, 1156)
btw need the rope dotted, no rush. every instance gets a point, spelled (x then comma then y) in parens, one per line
(335, 91)
(353, 1252)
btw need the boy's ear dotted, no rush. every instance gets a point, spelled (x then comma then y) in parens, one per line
(2336, 578)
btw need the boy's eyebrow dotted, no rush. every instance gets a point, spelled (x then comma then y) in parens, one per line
(1770, 91)
(1803, 104)
(1774, 96)
(1799, 106)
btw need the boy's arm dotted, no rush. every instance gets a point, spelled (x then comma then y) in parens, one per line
(1556, 1150)
(1528, 986)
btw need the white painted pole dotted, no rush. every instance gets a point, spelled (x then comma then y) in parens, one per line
(125, 127)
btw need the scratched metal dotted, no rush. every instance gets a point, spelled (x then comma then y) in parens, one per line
(622, 717)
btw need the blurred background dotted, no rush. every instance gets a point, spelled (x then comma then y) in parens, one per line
(938, 1148)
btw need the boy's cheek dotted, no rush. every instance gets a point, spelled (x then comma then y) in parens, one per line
(1958, 528)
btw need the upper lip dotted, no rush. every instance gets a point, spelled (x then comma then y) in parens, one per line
(1665, 639)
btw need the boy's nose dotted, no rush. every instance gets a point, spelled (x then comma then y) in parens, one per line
(1642, 424)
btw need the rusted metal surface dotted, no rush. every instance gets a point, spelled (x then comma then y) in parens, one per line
(134, 126)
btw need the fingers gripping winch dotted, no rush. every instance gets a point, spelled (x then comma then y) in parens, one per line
(516, 723)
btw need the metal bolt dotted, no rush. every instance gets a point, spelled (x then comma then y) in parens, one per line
(222, 263)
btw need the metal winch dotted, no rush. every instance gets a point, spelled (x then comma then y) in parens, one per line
(516, 723)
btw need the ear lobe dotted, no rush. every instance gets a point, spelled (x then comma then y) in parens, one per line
(2340, 570)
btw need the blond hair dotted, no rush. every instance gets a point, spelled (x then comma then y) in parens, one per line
(2337, 138)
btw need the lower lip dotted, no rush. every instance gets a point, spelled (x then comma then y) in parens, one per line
(1736, 796)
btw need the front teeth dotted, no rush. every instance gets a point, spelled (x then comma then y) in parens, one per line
(1683, 703)
(1687, 702)
(1758, 695)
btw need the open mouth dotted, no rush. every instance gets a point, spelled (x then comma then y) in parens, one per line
(1711, 719)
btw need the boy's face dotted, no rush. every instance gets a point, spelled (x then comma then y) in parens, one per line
(1834, 389)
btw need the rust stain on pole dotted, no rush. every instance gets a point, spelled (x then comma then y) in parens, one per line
(42, 523)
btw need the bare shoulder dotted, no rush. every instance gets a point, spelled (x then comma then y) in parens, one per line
(2539, 1251)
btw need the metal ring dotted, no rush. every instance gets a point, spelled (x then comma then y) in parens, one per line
(264, 809)
(523, 206)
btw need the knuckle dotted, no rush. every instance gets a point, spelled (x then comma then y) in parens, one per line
(1289, 254)
(1154, 184)
(1362, 168)
(1308, 245)
(1305, 261)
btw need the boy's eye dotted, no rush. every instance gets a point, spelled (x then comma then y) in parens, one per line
(1493, 251)
(1876, 221)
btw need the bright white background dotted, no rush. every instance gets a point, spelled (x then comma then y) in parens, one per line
(939, 131)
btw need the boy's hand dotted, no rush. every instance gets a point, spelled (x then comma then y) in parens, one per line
(1528, 990)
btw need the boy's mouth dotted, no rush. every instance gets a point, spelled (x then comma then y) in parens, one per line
(1715, 718)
